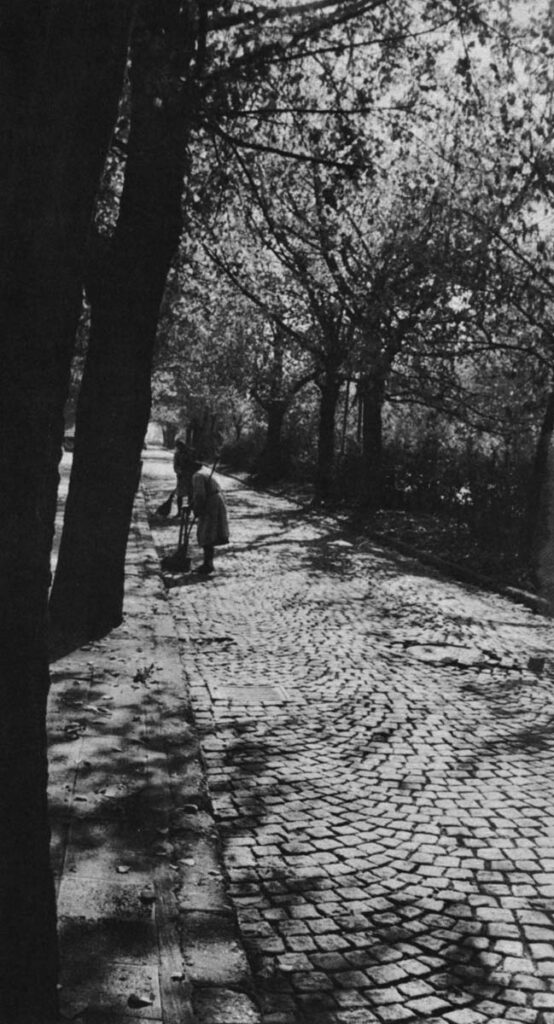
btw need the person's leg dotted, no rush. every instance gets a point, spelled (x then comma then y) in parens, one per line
(208, 563)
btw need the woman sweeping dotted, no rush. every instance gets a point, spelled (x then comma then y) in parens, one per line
(206, 501)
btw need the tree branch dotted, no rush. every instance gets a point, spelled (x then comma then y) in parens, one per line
(260, 147)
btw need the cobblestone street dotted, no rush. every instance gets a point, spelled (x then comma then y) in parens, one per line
(378, 743)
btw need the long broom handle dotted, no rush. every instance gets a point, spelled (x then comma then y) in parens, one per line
(183, 525)
(213, 467)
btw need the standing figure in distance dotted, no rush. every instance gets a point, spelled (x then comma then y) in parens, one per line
(207, 503)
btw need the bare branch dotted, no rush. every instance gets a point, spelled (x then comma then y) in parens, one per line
(264, 15)
(261, 147)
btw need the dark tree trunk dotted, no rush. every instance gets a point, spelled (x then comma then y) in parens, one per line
(345, 413)
(62, 67)
(169, 431)
(273, 447)
(371, 397)
(125, 293)
(271, 460)
(325, 474)
(238, 426)
(536, 528)
(202, 435)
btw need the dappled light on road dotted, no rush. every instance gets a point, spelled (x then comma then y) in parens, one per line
(379, 748)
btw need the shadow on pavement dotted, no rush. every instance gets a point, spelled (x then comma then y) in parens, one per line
(133, 847)
(277, 786)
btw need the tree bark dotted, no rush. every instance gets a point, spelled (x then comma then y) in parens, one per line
(125, 293)
(536, 528)
(371, 395)
(169, 431)
(274, 451)
(271, 460)
(330, 389)
(345, 413)
(62, 67)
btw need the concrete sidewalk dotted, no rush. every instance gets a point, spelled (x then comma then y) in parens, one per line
(146, 928)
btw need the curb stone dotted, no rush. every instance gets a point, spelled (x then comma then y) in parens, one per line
(216, 966)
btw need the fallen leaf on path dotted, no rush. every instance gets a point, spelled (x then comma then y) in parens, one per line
(122, 869)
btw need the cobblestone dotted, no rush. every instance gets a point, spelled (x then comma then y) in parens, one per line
(380, 762)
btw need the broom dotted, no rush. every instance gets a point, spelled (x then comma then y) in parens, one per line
(179, 561)
(164, 509)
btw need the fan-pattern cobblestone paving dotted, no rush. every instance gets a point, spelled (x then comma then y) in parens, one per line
(378, 742)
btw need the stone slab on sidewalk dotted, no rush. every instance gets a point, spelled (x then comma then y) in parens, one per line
(146, 928)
